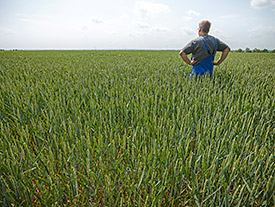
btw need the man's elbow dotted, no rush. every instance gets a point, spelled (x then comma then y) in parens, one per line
(181, 53)
(226, 50)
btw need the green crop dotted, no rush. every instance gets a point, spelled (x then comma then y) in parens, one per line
(129, 128)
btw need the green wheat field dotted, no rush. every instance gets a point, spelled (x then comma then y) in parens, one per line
(129, 128)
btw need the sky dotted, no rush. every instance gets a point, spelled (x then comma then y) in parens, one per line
(133, 24)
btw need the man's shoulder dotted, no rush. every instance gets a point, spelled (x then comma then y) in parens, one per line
(220, 44)
(196, 41)
(209, 37)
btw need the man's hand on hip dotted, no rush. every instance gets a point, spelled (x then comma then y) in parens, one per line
(193, 62)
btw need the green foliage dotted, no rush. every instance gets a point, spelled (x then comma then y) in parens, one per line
(247, 50)
(239, 50)
(256, 50)
(129, 128)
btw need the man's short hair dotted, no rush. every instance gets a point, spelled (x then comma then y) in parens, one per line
(205, 26)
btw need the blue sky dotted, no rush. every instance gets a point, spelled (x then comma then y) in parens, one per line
(133, 24)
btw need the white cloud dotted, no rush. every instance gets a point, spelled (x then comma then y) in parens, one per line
(139, 34)
(190, 14)
(124, 16)
(230, 16)
(143, 25)
(84, 27)
(27, 20)
(96, 20)
(33, 20)
(187, 18)
(188, 31)
(261, 31)
(149, 28)
(146, 10)
(160, 29)
(6, 31)
(260, 4)
(220, 33)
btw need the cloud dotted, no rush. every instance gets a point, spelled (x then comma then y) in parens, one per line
(146, 10)
(220, 33)
(160, 29)
(260, 4)
(6, 31)
(190, 14)
(261, 31)
(33, 20)
(27, 20)
(188, 31)
(124, 16)
(148, 27)
(83, 27)
(143, 25)
(96, 20)
(230, 16)
(139, 34)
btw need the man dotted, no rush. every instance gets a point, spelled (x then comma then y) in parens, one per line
(203, 50)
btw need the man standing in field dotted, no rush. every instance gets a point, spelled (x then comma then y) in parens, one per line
(203, 50)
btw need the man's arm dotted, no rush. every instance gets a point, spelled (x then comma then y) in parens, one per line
(186, 59)
(223, 56)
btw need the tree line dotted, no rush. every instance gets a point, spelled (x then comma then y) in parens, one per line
(255, 50)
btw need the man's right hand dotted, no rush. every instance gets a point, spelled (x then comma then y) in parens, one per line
(193, 62)
(186, 59)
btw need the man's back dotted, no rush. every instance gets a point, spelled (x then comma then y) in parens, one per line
(198, 49)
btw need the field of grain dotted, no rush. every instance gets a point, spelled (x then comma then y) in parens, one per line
(129, 128)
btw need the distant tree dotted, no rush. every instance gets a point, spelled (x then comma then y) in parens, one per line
(239, 50)
(256, 50)
(273, 51)
(265, 50)
(247, 49)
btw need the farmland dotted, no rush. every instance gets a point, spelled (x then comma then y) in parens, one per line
(129, 128)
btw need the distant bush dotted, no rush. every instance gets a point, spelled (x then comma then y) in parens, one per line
(247, 49)
(239, 50)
